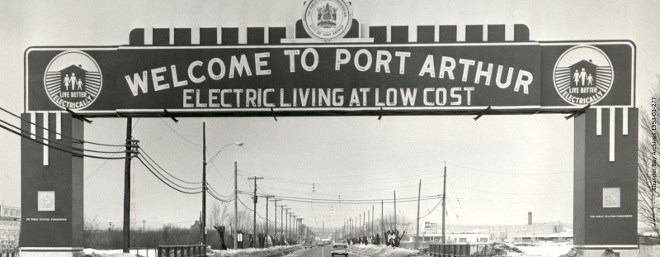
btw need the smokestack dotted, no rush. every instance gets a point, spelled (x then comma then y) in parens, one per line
(529, 218)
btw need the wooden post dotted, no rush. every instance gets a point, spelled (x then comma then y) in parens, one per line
(127, 186)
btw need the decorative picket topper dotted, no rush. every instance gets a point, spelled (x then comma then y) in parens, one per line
(330, 64)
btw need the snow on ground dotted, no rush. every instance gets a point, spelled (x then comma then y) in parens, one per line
(381, 251)
(546, 249)
(116, 253)
(250, 252)
(257, 252)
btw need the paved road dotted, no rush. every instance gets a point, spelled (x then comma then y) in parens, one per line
(317, 251)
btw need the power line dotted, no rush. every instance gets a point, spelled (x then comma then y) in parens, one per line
(106, 161)
(51, 141)
(513, 173)
(509, 193)
(59, 148)
(142, 151)
(177, 133)
(161, 180)
(164, 177)
(65, 136)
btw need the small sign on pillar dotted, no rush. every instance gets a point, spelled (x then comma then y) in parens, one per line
(46, 201)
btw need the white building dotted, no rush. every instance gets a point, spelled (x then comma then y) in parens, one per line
(456, 238)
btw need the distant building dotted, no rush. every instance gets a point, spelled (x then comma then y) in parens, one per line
(538, 232)
(456, 238)
(431, 228)
(9, 227)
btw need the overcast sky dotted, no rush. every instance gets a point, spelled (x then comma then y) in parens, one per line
(499, 167)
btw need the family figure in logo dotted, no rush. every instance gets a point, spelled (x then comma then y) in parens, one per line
(580, 77)
(72, 82)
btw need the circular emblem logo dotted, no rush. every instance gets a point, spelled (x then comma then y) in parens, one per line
(327, 19)
(583, 75)
(73, 80)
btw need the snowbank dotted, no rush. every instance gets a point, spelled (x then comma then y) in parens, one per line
(111, 253)
(250, 252)
(379, 250)
(546, 249)
(257, 252)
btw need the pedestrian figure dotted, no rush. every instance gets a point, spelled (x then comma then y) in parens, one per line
(590, 80)
(66, 81)
(583, 76)
(79, 84)
(73, 80)
(576, 77)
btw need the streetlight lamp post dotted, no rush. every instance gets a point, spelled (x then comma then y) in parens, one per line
(204, 187)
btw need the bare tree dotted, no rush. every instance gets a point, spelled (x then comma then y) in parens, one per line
(402, 222)
(649, 195)
(220, 215)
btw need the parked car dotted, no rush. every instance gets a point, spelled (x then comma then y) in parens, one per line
(339, 249)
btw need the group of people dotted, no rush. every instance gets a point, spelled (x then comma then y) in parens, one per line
(72, 82)
(391, 238)
(581, 77)
(246, 240)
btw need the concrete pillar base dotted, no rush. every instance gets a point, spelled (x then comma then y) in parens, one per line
(598, 252)
(51, 252)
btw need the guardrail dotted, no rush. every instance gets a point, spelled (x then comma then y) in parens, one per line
(181, 251)
(9, 253)
(142, 251)
(457, 250)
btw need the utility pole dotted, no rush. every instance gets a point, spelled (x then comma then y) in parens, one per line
(372, 220)
(350, 227)
(127, 185)
(359, 224)
(203, 218)
(364, 223)
(395, 210)
(419, 193)
(345, 225)
(382, 217)
(286, 223)
(300, 230)
(254, 234)
(369, 222)
(293, 227)
(235, 205)
(275, 219)
(444, 197)
(282, 219)
(268, 197)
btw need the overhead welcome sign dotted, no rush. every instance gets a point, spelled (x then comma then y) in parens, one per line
(316, 78)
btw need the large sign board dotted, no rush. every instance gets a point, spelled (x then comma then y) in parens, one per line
(328, 78)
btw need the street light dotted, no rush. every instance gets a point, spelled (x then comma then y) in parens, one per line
(204, 162)
(239, 144)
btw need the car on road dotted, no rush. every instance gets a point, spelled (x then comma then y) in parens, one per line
(319, 244)
(339, 249)
(308, 245)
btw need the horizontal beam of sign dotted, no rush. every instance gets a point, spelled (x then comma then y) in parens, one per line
(307, 79)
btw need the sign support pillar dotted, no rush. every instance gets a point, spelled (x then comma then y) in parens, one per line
(605, 181)
(51, 186)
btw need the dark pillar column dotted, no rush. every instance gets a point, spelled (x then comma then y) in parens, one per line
(605, 181)
(51, 188)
